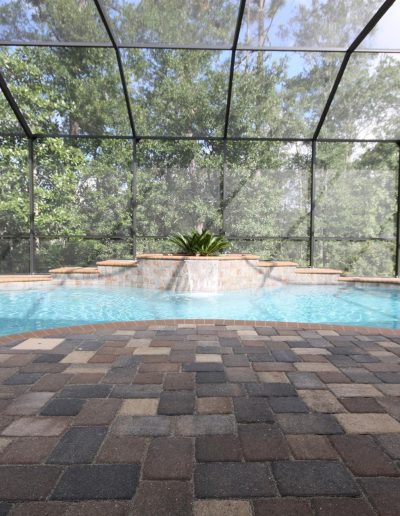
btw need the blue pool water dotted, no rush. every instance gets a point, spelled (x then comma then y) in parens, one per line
(64, 306)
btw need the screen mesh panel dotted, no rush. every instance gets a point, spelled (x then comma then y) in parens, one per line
(300, 23)
(80, 252)
(367, 258)
(83, 187)
(173, 22)
(367, 102)
(137, 119)
(178, 187)
(51, 20)
(281, 94)
(177, 92)
(356, 190)
(67, 90)
(267, 190)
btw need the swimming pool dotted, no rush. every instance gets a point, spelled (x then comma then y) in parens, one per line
(57, 306)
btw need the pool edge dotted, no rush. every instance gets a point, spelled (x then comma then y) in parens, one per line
(91, 328)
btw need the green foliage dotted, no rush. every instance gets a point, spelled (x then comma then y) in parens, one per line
(256, 193)
(199, 244)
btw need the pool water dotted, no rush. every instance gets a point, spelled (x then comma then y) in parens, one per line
(38, 308)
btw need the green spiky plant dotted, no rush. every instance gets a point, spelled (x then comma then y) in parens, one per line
(199, 244)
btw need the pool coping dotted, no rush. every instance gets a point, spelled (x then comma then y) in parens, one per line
(92, 328)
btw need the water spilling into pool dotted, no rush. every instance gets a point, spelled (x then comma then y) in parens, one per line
(50, 307)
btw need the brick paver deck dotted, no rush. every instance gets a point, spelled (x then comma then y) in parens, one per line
(202, 420)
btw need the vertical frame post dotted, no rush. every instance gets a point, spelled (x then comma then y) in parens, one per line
(222, 190)
(312, 206)
(134, 198)
(31, 186)
(397, 264)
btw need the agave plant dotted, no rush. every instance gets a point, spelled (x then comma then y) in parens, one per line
(199, 244)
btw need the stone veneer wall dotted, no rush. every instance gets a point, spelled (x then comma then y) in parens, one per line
(114, 275)
(208, 275)
(178, 273)
(290, 275)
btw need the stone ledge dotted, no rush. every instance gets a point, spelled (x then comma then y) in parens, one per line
(276, 264)
(187, 257)
(316, 270)
(24, 278)
(75, 270)
(367, 279)
(117, 263)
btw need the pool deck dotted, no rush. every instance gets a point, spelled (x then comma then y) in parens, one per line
(181, 418)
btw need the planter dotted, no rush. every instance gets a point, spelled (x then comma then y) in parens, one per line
(198, 273)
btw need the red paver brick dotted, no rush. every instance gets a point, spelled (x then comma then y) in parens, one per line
(179, 381)
(169, 458)
(28, 450)
(333, 377)
(148, 378)
(163, 367)
(342, 507)
(52, 382)
(122, 450)
(27, 482)
(363, 456)
(214, 405)
(98, 412)
(40, 509)
(218, 448)
(163, 498)
(82, 378)
(311, 447)
(361, 405)
(261, 442)
(384, 494)
(282, 507)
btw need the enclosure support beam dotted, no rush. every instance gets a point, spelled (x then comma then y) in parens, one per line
(222, 189)
(110, 33)
(397, 265)
(192, 47)
(134, 199)
(14, 106)
(232, 68)
(312, 205)
(202, 138)
(31, 185)
(359, 39)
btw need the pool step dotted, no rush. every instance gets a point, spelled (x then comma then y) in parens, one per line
(370, 279)
(74, 273)
(23, 278)
(111, 271)
(263, 263)
(117, 263)
(290, 272)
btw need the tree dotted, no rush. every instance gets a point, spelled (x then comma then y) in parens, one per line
(257, 193)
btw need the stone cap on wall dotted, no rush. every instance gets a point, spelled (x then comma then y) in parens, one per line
(75, 270)
(277, 264)
(22, 278)
(370, 279)
(187, 257)
(117, 263)
(318, 270)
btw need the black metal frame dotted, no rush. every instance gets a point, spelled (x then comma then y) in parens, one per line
(135, 137)
(113, 40)
(31, 182)
(359, 39)
(397, 263)
(312, 202)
